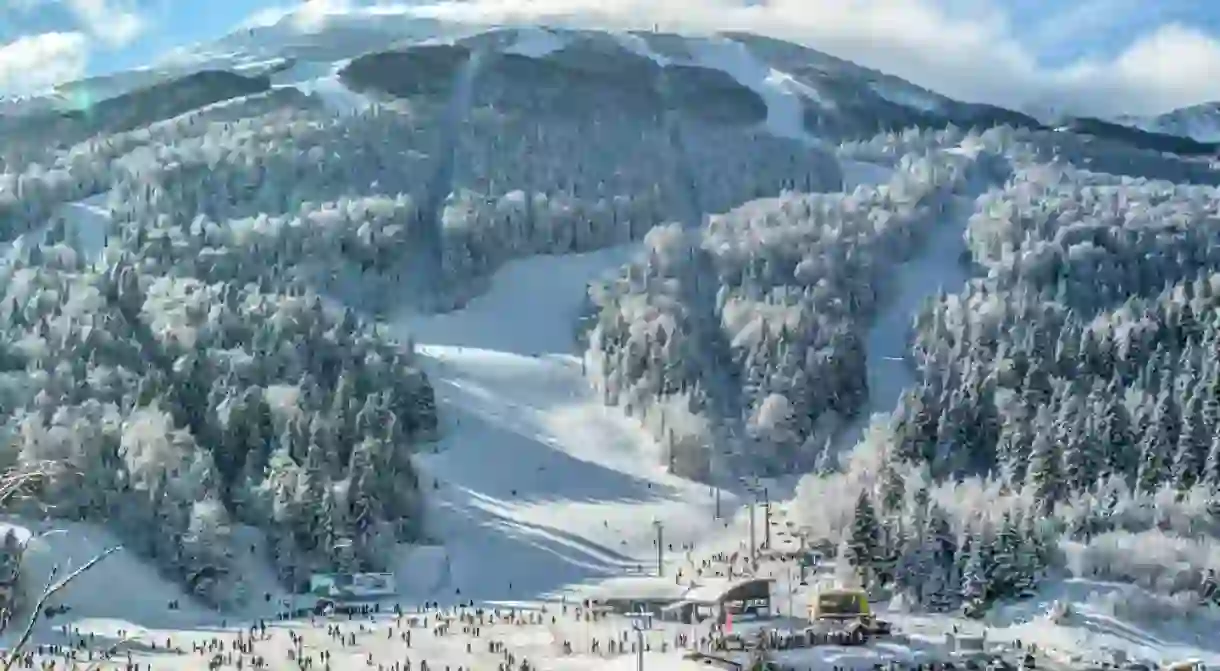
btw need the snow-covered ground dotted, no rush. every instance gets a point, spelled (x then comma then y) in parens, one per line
(322, 80)
(87, 223)
(536, 42)
(863, 173)
(936, 267)
(785, 97)
(532, 468)
(541, 493)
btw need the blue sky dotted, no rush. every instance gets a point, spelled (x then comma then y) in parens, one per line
(1103, 54)
(1060, 31)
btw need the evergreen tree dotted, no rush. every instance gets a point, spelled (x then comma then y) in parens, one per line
(1045, 475)
(864, 542)
(943, 585)
(975, 583)
(1193, 446)
(1155, 445)
(1006, 579)
(893, 488)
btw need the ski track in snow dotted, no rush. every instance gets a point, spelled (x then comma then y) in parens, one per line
(936, 266)
(532, 468)
(783, 95)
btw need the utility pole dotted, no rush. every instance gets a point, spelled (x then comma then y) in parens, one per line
(766, 520)
(639, 623)
(660, 549)
(791, 592)
(753, 553)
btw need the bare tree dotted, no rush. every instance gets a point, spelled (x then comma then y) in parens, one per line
(15, 483)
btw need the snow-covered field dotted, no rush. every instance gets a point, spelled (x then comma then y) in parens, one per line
(575, 485)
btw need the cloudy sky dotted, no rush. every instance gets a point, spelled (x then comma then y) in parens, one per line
(1087, 56)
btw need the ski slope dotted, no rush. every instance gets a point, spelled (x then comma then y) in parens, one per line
(785, 97)
(322, 80)
(87, 223)
(935, 267)
(532, 469)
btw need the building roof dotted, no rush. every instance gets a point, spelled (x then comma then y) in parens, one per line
(722, 589)
(652, 588)
(643, 588)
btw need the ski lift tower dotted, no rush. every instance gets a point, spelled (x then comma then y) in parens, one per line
(659, 527)
(761, 495)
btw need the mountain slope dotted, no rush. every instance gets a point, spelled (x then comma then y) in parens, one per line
(1200, 123)
(480, 305)
(532, 469)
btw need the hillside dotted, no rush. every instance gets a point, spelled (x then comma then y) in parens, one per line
(481, 305)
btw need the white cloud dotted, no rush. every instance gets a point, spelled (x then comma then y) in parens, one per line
(312, 13)
(114, 23)
(35, 62)
(306, 16)
(971, 54)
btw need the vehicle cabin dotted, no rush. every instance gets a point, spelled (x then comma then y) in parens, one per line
(839, 604)
(1186, 665)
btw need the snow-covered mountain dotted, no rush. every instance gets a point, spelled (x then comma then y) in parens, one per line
(820, 93)
(1198, 122)
(525, 314)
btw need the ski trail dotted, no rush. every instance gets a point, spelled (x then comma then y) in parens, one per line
(532, 470)
(684, 173)
(889, 369)
(89, 221)
(440, 185)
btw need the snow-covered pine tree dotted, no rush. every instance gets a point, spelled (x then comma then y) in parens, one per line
(1045, 473)
(893, 487)
(1156, 444)
(975, 584)
(940, 593)
(1114, 431)
(864, 540)
(1193, 445)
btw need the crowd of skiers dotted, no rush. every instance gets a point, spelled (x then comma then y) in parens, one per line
(261, 645)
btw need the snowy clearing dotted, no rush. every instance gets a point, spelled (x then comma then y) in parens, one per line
(937, 267)
(862, 173)
(639, 46)
(89, 221)
(785, 97)
(575, 485)
(322, 80)
(536, 43)
(908, 96)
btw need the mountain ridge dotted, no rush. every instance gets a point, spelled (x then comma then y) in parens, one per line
(863, 101)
